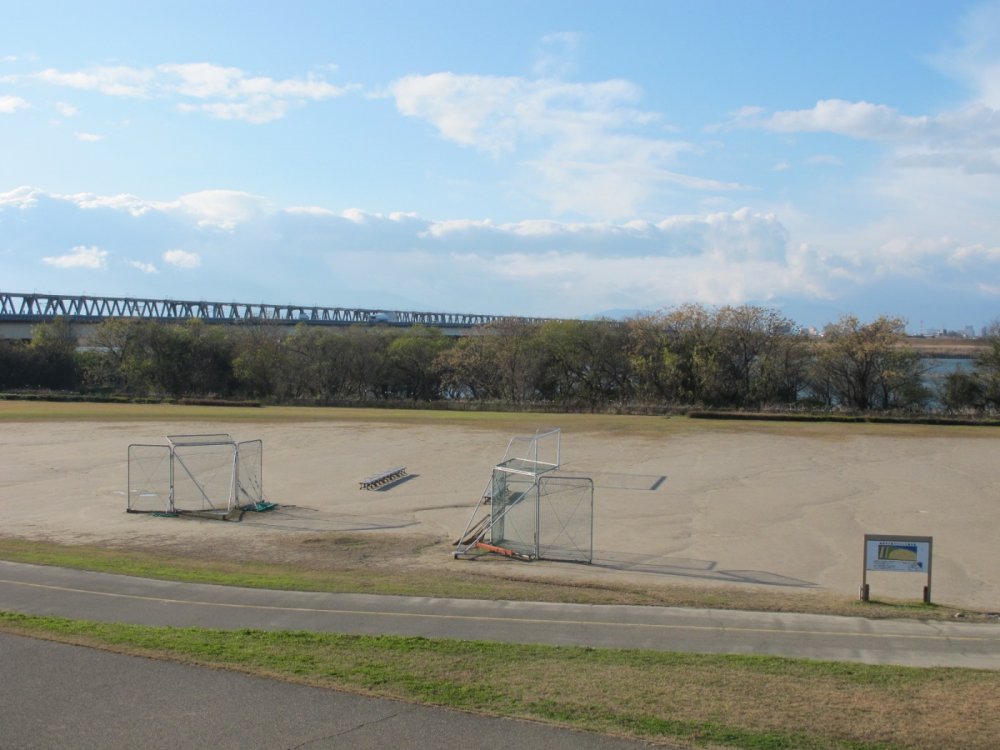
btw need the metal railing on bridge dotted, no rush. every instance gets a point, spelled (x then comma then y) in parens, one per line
(41, 308)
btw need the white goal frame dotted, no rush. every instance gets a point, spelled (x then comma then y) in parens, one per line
(210, 475)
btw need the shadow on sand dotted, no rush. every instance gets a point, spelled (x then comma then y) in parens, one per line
(299, 518)
(395, 483)
(612, 481)
(688, 568)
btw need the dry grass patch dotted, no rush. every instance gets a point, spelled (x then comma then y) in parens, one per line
(506, 422)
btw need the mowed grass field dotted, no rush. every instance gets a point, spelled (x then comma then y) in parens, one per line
(690, 700)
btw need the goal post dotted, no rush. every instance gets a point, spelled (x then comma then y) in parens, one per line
(203, 474)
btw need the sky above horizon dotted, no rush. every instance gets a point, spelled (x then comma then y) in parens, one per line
(554, 159)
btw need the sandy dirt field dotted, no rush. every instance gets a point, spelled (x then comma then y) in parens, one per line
(735, 506)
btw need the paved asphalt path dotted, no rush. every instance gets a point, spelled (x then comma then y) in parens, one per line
(57, 696)
(112, 598)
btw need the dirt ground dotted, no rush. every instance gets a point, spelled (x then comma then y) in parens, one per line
(706, 506)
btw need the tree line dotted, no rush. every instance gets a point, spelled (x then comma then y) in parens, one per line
(733, 357)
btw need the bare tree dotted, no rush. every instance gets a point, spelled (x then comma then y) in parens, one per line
(868, 366)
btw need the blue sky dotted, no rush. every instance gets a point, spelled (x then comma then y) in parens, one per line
(560, 159)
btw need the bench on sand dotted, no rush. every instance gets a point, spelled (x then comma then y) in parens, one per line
(386, 477)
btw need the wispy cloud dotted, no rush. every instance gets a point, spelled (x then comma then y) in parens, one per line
(91, 258)
(119, 80)
(963, 138)
(146, 268)
(556, 54)
(219, 91)
(89, 137)
(830, 160)
(594, 151)
(182, 259)
(974, 57)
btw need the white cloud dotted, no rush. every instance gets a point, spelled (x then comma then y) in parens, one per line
(256, 110)
(494, 113)
(964, 138)
(310, 211)
(543, 267)
(650, 282)
(204, 80)
(121, 202)
(182, 259)
(357, 216)
(146, 268)
(117, 80)
(856, 119)
(208, 81)
(222, 92)
(255, 99)
(66, 109)
(590, 150)
(22, 198)
(11, 104)
(470, 110)
(92, 258)
(953, 133)
(222, 209)
(89, 137)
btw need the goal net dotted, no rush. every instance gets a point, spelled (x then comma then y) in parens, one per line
(206, 474)
(533, 453)
(533, 513)
(543, 517)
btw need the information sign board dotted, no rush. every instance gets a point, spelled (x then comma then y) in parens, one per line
(908, 556)
(897, 554)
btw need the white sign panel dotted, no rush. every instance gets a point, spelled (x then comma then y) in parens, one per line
(906, 556)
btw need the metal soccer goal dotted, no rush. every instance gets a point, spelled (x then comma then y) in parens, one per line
(532, 513)
(204, 474)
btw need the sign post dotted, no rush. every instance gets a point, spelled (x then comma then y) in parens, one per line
(899, 554)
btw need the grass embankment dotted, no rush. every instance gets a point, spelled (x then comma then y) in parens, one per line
(732, 701)
(375, 564)
(510, 422)
(56, 411)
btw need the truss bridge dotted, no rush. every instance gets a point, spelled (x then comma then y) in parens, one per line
(18, 311)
